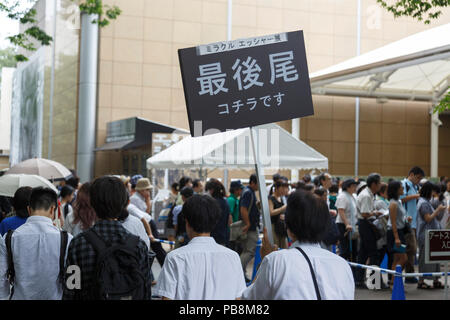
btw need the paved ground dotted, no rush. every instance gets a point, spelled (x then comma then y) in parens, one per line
(411, 291)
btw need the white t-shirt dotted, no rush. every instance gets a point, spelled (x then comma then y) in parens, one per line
(285, 275)
(201, 270)
(347, 202)
(134, 226)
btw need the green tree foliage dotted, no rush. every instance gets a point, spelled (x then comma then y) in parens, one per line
(444, 104)
(422, 10)
(33, 34)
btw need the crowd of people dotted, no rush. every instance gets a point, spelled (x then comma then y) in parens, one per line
(98, 240)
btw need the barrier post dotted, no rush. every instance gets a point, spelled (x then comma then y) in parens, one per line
(446, 282)
(398, 291)
(257, 258)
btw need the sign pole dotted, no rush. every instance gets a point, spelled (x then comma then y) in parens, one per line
(261, 183)
(446, 282)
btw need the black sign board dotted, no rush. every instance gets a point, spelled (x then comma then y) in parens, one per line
(246, 82)
(437, 246)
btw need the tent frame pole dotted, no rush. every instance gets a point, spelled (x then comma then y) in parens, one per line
(262, 184)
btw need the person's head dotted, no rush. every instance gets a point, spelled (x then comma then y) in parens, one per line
(309, 187)
(186, 193)
(448, 185)
(215, 188)
(67, 193)
(334, 188)
(394, 190)
(415, 175)
(21, 201)
(134, 179)
(307, 178)
(276, 177)
(73, 181)
(143, 187)
(185, 182)
(253, 182)
(325, 180)
(201, 213)
(197, 185)
(300, 185)
(427, 190)
(43, 202)
(321, 194)
(436, 190)
(350, 186)
(442, 179)
(175, 187)
(307, 217)
(236, 188)
(374, 182)
(281, 188)
(108, 197)
(82, 209)
(383, 190)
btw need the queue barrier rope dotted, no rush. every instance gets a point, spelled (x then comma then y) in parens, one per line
(165, 241)
(395, 273)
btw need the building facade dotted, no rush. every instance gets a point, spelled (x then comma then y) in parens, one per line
(139, 76)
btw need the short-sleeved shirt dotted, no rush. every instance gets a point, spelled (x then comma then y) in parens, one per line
(11, 223)
(248, 200)
(201, 270)
(365, 202)
(233, 203)
(285, 275)
(176, 212)
(347, 202)
(411, 206)
(424, 207)
(401, 215)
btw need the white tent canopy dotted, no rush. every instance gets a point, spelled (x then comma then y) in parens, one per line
(414, 68)
(233, 149)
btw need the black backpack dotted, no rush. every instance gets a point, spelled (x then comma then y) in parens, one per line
(11, 273)
(118, 274)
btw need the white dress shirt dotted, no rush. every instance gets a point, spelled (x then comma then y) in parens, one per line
(135, 211)
(201, 270)
(285, 275)
(135, 226)
(36, 249)
(139, 201)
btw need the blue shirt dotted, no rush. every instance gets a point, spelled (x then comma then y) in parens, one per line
(248, 198)
(411, 206)
(11, 223)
